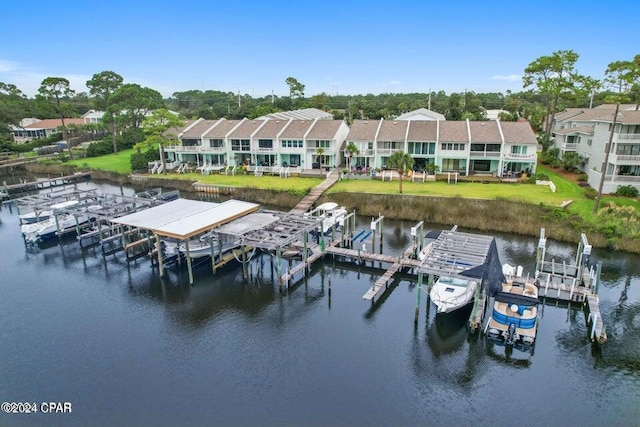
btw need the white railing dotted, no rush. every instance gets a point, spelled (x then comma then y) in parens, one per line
(195, 149)
(629, 136)
(627, 157)
(625, 178)
(569, 146)
(484, 154)
(388, 150)
(511, 156)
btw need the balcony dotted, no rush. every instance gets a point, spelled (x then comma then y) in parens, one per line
(194, 149)
(485, 154)
(388, 151)
(628, 159)
(522, 157)
(569, 146)
(628, 137)
(314, 150)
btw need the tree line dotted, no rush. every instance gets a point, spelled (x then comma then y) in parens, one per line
(551, 83)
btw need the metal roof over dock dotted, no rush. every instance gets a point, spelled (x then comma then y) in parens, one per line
(182, 218)
(455, 253)
(269, 229)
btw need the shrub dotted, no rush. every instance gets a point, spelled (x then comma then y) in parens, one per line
(590, 193)
(541, 176)
(626, 191)
(100, 148)
(582, 177)
(140, 161)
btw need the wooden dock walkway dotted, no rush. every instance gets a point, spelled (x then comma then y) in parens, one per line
(307, 201)
(47, 183)
(597, 331)
(572, 282)
(382, 284)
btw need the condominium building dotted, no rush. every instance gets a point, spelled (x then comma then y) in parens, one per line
(466, 147)
(299, 144)
(587, 131)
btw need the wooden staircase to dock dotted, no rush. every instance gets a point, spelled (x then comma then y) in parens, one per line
(307, 201)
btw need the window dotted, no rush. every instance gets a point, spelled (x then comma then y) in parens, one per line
(240, 145)
(455, 146)
(422, 148)
(216, 143)
(589, 141)
(518, 149)
(190, 142)
(452, 165)
(323, 144)
(265, 143)
(288, 143)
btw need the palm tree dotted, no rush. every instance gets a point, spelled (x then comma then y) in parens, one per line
(352, 150)
(319, 153)
(402, 162)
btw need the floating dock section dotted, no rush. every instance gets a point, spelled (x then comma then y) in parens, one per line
(573, 281)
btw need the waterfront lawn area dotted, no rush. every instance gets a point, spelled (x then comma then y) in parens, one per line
(119, 163)
(267, 182)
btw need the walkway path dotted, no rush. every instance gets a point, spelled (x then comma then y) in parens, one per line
(315, 193)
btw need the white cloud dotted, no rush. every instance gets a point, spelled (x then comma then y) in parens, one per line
(508, 78)
(7, 66)
(28, 80)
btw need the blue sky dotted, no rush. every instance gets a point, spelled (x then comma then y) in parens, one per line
(345, 47)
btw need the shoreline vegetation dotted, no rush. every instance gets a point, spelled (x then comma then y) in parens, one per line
(517, 208)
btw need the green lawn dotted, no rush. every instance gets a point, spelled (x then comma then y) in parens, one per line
(119, 163)
(566, 189)
(266, 182)
(512, 191)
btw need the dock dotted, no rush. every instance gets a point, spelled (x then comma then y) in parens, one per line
(43, 184)
(307, 201)
(573, 281)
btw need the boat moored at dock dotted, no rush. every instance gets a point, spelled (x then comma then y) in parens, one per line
(449, 294)
(514, 318)
(332, 217)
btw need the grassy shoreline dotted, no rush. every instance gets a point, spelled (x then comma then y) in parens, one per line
(515, 207)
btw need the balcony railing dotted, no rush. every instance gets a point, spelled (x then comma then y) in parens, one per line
(512, 156)
(492, 154)
(388, 150)
(623, 178)
(569, 146)
(626, 158)
(194, 149)
(629, 136)
(314, 150)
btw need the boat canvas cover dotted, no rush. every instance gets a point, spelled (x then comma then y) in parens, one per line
(490, 272)
(520, 300)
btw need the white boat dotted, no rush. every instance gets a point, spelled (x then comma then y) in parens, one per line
(514, 319)
(200, 248)
(44, 230)
(38, 216)
(449, 294)
(332, 217)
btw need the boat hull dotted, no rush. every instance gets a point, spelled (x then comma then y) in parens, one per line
(514, 318)
(452, 294)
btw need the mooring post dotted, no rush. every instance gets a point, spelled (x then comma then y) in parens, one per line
(186, 245)
(244, 262)
(417, 314)
(278, 266)
(213, 253)
(55, 215)
(381, 232)
(305, 238)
